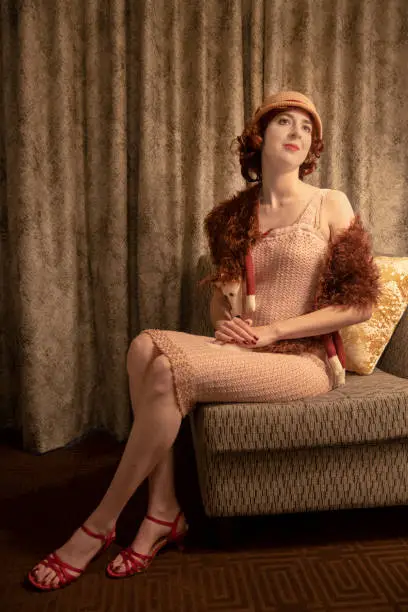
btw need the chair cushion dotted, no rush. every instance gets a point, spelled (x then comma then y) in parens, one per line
(365, 409)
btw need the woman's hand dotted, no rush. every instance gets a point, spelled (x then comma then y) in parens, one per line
(239, 331)
(236, 330)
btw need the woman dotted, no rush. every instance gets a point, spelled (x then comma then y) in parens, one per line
(169, 372)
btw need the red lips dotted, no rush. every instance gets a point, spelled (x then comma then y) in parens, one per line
(293, 147)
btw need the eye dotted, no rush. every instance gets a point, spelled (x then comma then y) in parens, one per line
(308, 128)
(282, 119)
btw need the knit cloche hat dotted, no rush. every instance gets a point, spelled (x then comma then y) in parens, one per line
(285, 99)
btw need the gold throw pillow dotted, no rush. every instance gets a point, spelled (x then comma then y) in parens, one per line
(365, 342)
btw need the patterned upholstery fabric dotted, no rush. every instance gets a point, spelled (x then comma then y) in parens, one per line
(347, 448)
(365, 342)
(320, 478)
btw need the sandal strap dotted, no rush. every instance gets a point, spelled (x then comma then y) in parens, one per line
(132, 559)
(131, 553)
(59, 567)
(173, 525)
(55, 561)
(98, 536)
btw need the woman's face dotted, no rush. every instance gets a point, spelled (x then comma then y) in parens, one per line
(288, 138)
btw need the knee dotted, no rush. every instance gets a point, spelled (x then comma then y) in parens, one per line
(160, 375)
(141, 349)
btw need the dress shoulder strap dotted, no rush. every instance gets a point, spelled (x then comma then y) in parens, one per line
(319, 206)
(312, 210)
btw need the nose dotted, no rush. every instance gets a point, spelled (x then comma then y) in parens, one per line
(295, 129)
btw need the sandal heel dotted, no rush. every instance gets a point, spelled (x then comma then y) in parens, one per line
(179, 541)
(180, 545)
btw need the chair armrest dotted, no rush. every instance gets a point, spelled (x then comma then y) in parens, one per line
(394, 359)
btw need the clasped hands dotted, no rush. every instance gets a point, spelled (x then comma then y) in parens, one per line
(240, 331)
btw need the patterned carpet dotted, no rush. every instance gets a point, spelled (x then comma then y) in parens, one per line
(331, 561)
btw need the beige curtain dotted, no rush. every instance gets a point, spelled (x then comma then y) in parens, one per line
(116, 123)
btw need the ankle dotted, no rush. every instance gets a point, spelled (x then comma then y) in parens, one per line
(99, 525)
(165, 511)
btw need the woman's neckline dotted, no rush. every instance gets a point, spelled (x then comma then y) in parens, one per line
(272, 229)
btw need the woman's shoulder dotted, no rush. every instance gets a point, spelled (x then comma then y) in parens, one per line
(334, 195)
(334, 203)
(338, 212)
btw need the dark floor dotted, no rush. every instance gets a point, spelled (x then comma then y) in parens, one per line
(330, 561)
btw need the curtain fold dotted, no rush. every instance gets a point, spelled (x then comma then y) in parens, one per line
(191, 108)
(116, 121)
(66, 206)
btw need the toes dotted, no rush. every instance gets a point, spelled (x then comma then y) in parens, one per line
(118, 565)
(38, 572)
(55, 581)
(34, 572)
(46, 577)
(49, 577)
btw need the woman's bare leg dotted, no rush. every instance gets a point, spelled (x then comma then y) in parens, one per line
(162, 502)
(155, 428)
(162, 505)
(162, 494)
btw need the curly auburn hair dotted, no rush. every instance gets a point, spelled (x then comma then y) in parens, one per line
(250, 142)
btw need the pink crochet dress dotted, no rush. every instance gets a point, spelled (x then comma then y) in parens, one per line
(287, 264)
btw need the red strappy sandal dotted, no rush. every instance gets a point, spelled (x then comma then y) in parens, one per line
(135, 562)
(55, 563)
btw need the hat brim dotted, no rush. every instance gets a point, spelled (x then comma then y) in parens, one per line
(277, 105)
